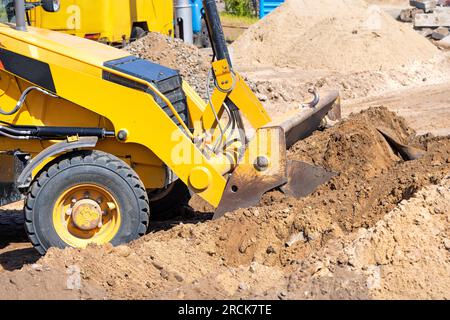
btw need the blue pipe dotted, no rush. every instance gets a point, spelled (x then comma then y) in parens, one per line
(197, 7)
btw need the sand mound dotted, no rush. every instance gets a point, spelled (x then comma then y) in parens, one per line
(175, 54)
(404, 256)
(245, 254)
(336, 35)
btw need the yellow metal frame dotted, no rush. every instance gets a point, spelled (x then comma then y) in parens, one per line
(232, 86)
(154, 141)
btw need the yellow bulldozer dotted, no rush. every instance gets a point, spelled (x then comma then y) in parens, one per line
(114, 22)
(98, 141)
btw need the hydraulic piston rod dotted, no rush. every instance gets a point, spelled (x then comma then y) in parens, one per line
(215, 30)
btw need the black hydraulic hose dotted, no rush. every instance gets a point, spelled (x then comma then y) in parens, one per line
(70, 131)
(215, 31)
(7, 135)
(15, 131)
(22, 99)
(48, 133)
(239, 123)
(221, 52)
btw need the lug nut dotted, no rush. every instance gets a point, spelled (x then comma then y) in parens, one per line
(111, 206)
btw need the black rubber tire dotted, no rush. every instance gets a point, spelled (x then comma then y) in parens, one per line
(173, 204)
(85, 167)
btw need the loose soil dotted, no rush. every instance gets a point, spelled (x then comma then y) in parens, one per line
(401, 257)
(264, 251)
(379, 229)
(174, 53)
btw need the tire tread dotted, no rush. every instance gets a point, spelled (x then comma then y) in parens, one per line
(87, 157)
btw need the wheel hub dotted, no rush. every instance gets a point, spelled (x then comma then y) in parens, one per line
(86, 214)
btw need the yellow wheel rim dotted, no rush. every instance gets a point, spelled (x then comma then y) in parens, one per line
(86, 214)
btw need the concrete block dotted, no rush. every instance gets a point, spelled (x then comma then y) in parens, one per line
(440, 33)
(441, 10)
(439, 18)
(407, 15)
(445, 42)
(426, 32)
(444, 3)
(427, 5)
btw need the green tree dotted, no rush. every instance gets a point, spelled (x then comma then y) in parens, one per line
(240, 7)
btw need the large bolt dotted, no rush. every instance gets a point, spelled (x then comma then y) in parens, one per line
(111, 206)
(262, 163)
(122, 135)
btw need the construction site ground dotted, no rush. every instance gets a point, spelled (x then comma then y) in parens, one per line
(378, 230)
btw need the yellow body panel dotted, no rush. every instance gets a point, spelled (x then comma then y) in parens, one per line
(113, 20)
(77, 66)
(86, 99)
(88, 95)
(48, 111)
(234, 87)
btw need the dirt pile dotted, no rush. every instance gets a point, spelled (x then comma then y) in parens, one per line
(335, 35)
(255, 252)
(286, 87)
(175, 54)
(405, 255)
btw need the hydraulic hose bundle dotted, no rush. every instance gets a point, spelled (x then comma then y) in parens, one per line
(45, 133)
(51, 133)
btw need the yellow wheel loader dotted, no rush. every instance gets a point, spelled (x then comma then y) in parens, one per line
(96, 140)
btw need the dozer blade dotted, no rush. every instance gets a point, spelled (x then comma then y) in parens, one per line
(300, 124)
(264, 166)
(406, 152)
(304, 178)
